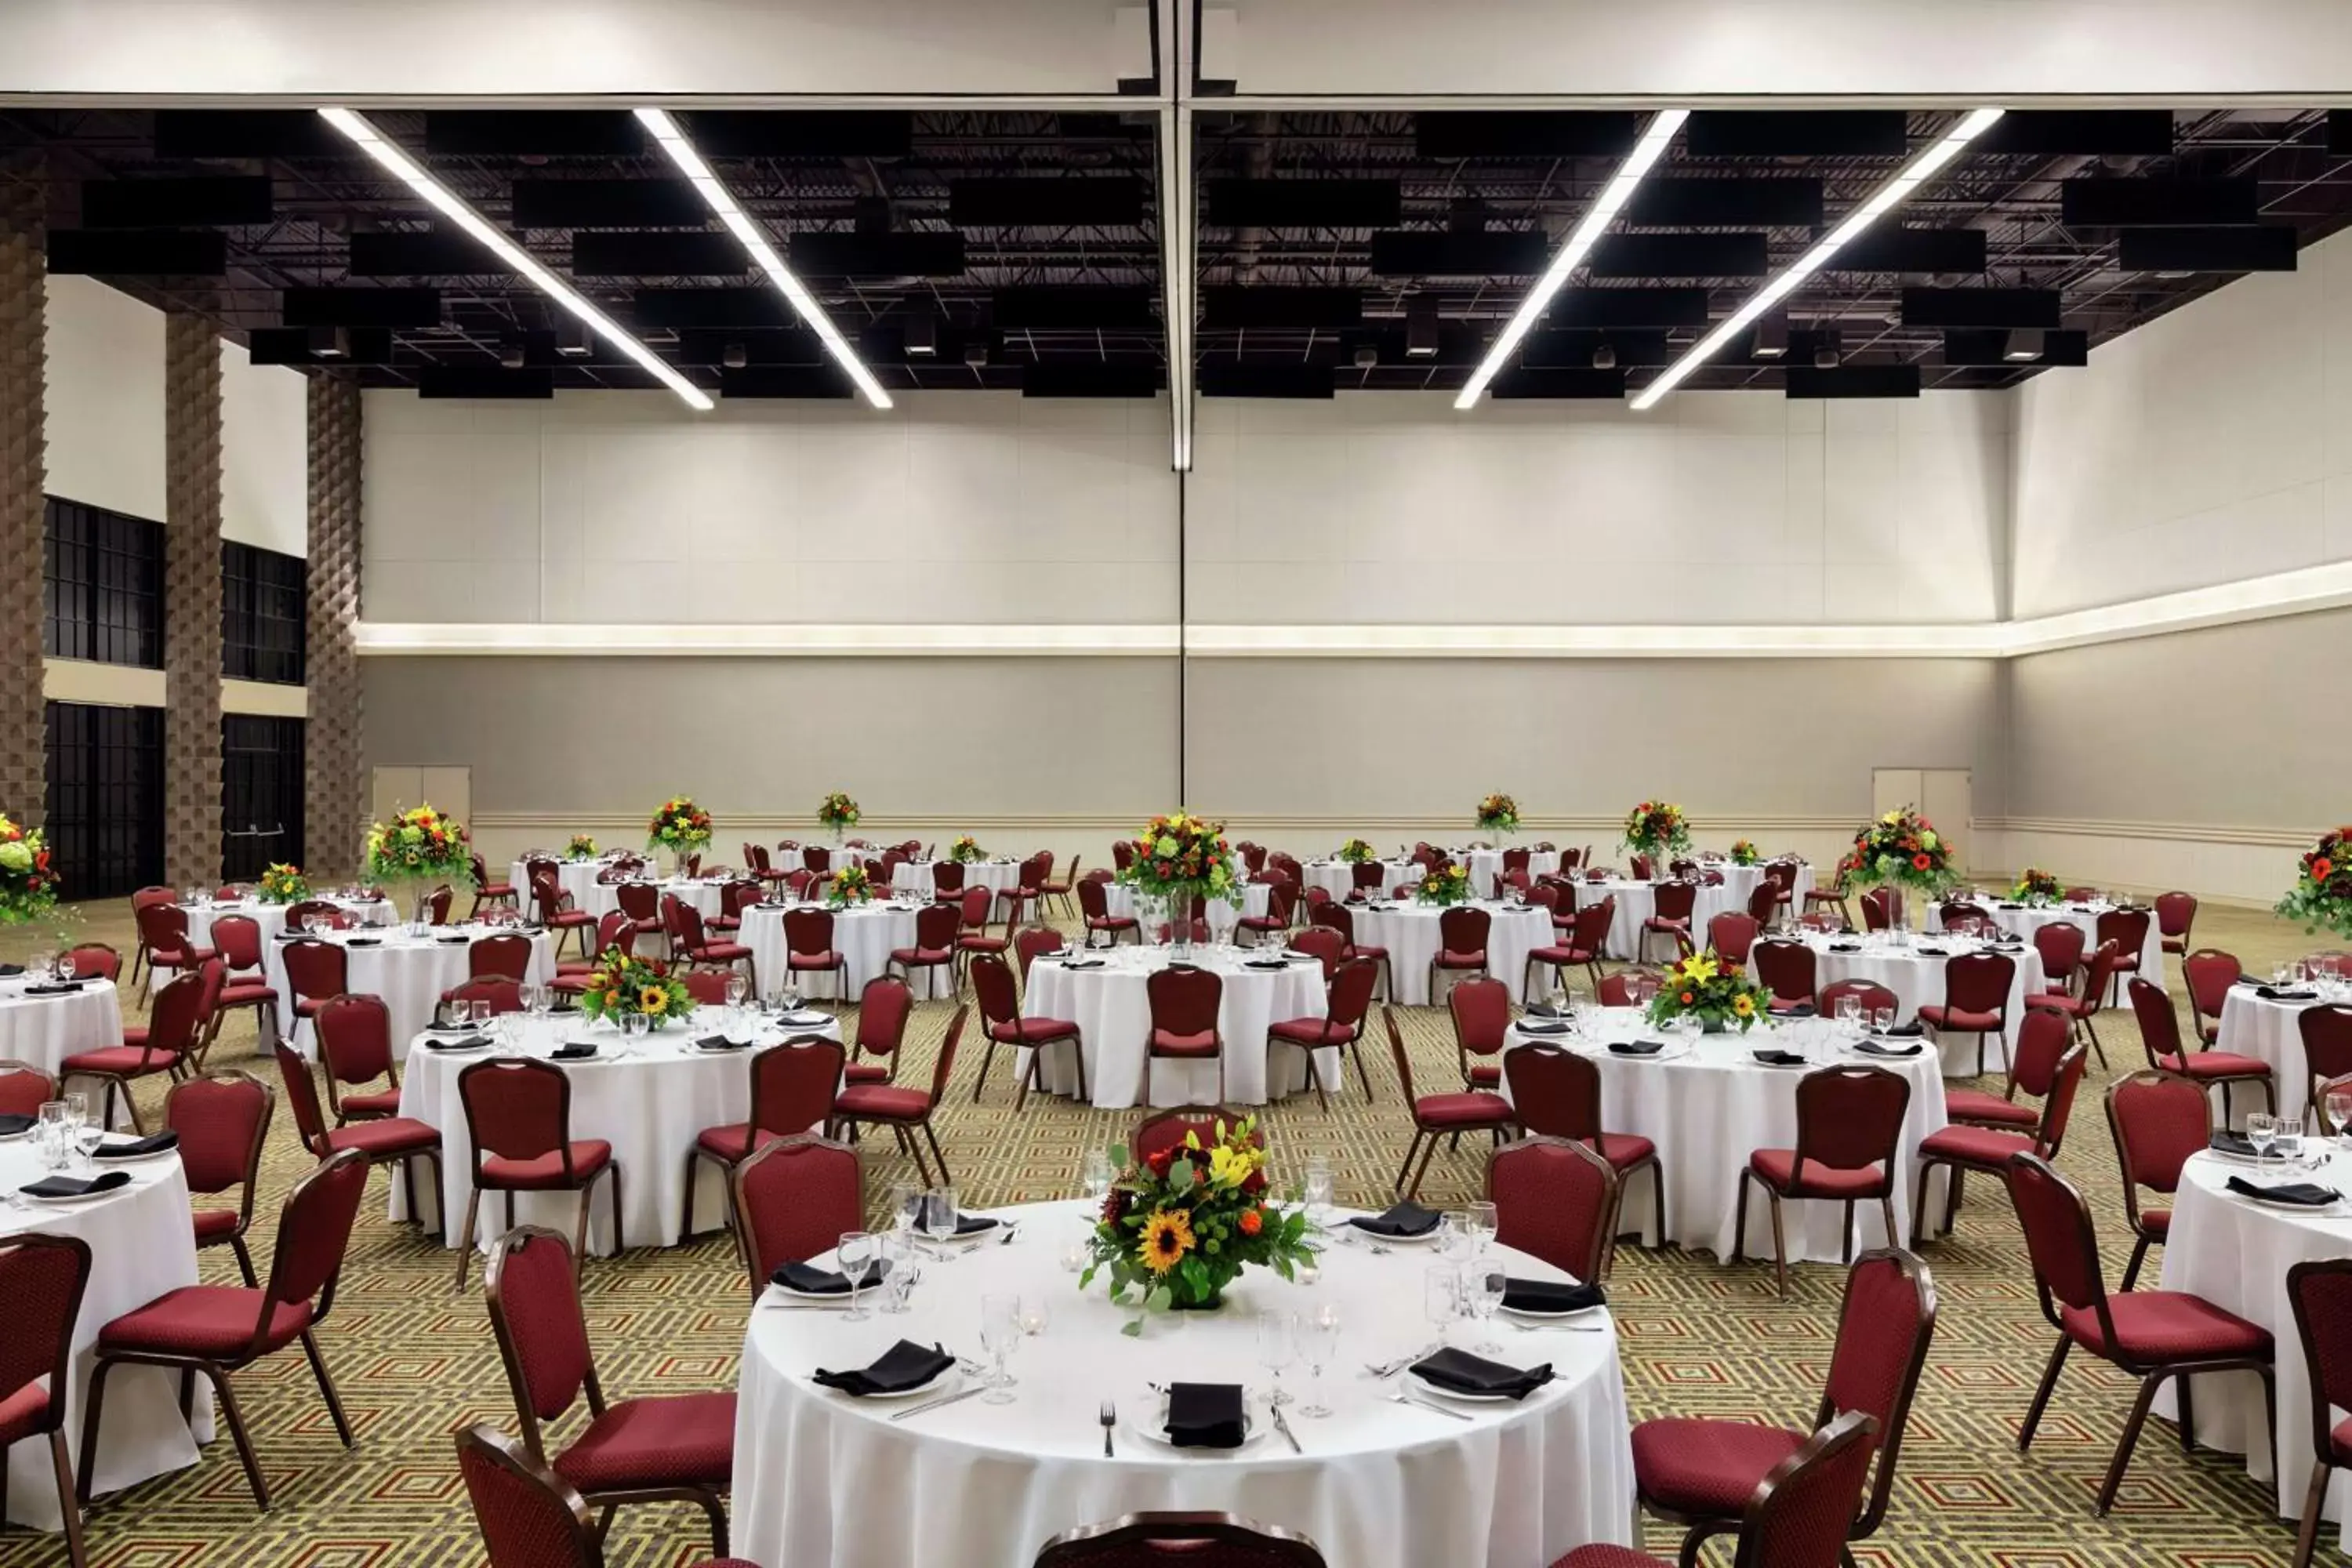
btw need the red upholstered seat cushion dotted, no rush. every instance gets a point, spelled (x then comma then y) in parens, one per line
(909, 957)
(1484, 1075)
(1777, 1165)
(214, 1225)
(2073, 1006)
(134, 1034)
(215, 1322)
(1626, 1150)
(1167, 1044)
(2156, 1222)
(865, 1072)
(731, 1142)
(1472, 958)
(308, 1006)
(1123, 922)
(828, 959)
(1959, 1020)
(21, 1412)
(1666, 922)
(1601, 1554)
(569, 985)
(589, 1155)
(577, 966)
(678, 1440)
(1311, 1032)
(1032, 1031)
(370, 1103)
(2215, 1064)
(498, 890)
(729, 951)
(1706, 1470)
(1986, 1146)
(2157, 1327)
(882, 1102)
(563, 919)
(1461, 1110)
(185, 957)
(1379, 954)
(2339, 1437)
(981, 944)
(248, 995)
(1977, 1105)
(117, 1059)
(382, 1139)
(1563, 954)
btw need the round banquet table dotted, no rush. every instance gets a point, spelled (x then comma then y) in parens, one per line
(141, 1246)
(46, 1030)
(271, 917)
(703, 892)
(1914, 972)
(1636, 901)
(2024, 920)
(1486, 864)
(1707, 1104)
(577, 877)
(1113, 1013)
(822, 1481)
(1408, 931)
(1119, 899)
(914, 877)
(2268, 1028)
(865, 936)
(410, 973)
(1337, 877)
(649, 1103)
(1739, 882)
(2235, 1254)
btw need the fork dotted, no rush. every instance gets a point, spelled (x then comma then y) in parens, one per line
(1399, 1397)
(1110, 1420)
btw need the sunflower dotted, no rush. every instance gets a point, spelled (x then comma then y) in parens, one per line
(1166, 1238)
(1743, 1005)
(654, 999)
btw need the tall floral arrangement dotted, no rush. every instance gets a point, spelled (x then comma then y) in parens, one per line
(2036, 886)
(1498, 813)
(1355, 852)
(2322, 895)
(1745, 853)
(1183, 859)
(679, 826)
(582, 848)
(282, 884)
(1657, 827)
(1444, 883)
(1901, 848)
(848, 886)
(620, 986)
(837, 812)
(966, 850)
(1180, 1224)
(421, 845)
(28, 884)
(1716, 991)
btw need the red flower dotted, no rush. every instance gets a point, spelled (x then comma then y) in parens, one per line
(1160, 1160)
(2321, 868)
(1114, 1207)
(1254, 1181)
(1200, 1175)
(1687, 998)
(1921, 862)
(1252, 1222)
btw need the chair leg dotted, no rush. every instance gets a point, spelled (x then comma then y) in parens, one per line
(2042, 1394)
(95, 1408)
(466, 1238)
(2124, 1445)
(1919, 1206)
(2139, 1256)
(1845, 1234)
(619, 1239)
(718, 1515)
(77, 1553)
(987, 1060)
(244, 1262)
(1780, 1243)
(1409, 1151)
(1886, 1218)
(236, 1418)
(2315, 1499)
(1428, 1153)
(686, 1215)
(327, 1387)
(1658, 1196)
(1739, 1227)
(2189, 1417)
(937, 1155)
(2100, 1052)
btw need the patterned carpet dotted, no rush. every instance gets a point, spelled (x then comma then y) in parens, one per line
(415, 1364)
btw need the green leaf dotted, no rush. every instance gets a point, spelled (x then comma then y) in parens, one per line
(1132, 1328)
(1180, 1174)
(1159, 1300)
(1119, 1160)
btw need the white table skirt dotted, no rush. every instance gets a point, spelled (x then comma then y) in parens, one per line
(46, 1030)
(914, 877)
(1408, 931)
(604, 898)
(2236, 1254)
(2024, 921)
(1636, 901)
(1119, 899)
(825, 1481)
(1918, 981)
(1337, 877)
(576, 878)
(1486, 864)
(1113, 1013)
(1707, 1105)
(650, 1106)
(2271, 1032)
(1739, 883)
(141, 1246)
(409, 973)
(865, 936)
(271, 917)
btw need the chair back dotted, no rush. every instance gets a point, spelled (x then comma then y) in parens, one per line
(1335, 914)
(1784, 968)
(43, 1279)
(162, 929)
(315, 970)
(1281, 900)
(1349, 998)
(504, 995)
(506, 956)
(223, 1120)
(1178, 1541)
(1804, 1508)
(2127, 929)
(1879, 907)
(1629, 988)
(2060, 944)
(796, 1197)
(2060, 1241)
(1036, 870)
(2208, 974)
(1094, 901)
(641, 902)
(2098, 974)
(299, 915)
(146, 896)
(935, 929)
(25, 1089)
(1675, 902)
(2174, 913)
(1481, 1010)
(1960, 914)
(1397, 1052)
(1885, 1326)
(436, 905)
(2327, 1031)
(1371, 876)
(2059, 1102)
(2158, 1120)
(1166, 1129)
(1282, 863)
(1733, 936)
(975, 907)
(947, 876)
(516, 1108)
(2159, 1026)
(1184, 1001)
(314, 1229)
(533, 1298)
(616, 930)
(177, 1017)
(1122, 853)
(1763, 903)
(302, 1098)
(1461, 929)
(1850, 1117)
(883, 1008)
(1030, 941)
(793, 1086)
(2319, 1292)
(1978, 981)
(1555, 1199)
(1556, 1092)
(2041, 1040)
(547, 896)
(1641, 868)
(993, 989)
(706, 987)
(1323, 942)
(237, 939)
(1590, 932)
(807, 933)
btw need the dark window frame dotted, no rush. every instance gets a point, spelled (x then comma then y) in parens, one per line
(265, 612)
(261, 793)
(102, 586)
(105, 797)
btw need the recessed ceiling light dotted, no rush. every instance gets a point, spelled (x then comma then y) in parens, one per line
(2025, 345)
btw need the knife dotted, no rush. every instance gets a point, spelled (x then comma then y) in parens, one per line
(1282, 1424)
(935, 1403)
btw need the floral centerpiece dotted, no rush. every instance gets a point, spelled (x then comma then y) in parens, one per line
(849, 885)
(966, 850)
(1184, 861)
(1355, 852)
(582, 848)
(679, 826)
(1902, 848)
(28, 885)
(1716, 993)
(1181, 1224)
(837, 812)
(1444, 883)
(1745, 853)
(1657, 828)
(420, 845)
(2321, 898)
(282, 884)
(620, 986)
(2036, 886)
(1498, 813)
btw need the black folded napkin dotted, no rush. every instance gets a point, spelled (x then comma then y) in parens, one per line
(1778, 1058)
(1910, 1031)
(1551, 1296)
(721, 1043)
(574, 1051)
(1265, 964)
(11, 1124)
(1801, 1010)
(2302, 1194)
(903, 1366)
(453, 941)
(1845, 947)
(2010, 906)
(365, 941)
(1082, 964)
(1933, 952)
(459, 1043)
(66, 988)
(9, 971)
(1535, 1025)
(975, 1224)
(1873, 1049)
(1205, 1416)
(2274, 994)
(1637, 1048)
(153, 1143)
(1465, 1373)
(2228, 1143)
(63, 1186)
(1407, 1218)
(810, 1280)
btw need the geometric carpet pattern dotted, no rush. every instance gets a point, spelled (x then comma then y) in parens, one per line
(415, 1362)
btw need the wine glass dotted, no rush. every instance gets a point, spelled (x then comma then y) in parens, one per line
(1481, 1292)
(2339, 1113)
(1483, 1220)
(739, 989)
(1557, 997)
(82, 1132)
(1000, 1331)
(940, 1213)
(906, 1207)
(55, 1133)
(792, 997)
(62, 966)
(2261, 1128)
(1319, 1339)
(480, 1009)
(1882, 1020)
(898, 1246)
(854, 1257)
(1277, 1347)
(2286, 1135)
(1318, 1192)
(1440, 1297)
(1095, 1175)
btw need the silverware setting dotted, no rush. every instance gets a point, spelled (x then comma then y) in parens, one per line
(1389, 1369)
(1398, 1397)
(1110, 1420)
(936, 1404)
(1282, 1424)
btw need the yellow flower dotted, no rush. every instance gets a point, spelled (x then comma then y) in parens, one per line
(1699, 966)
(1743, 1005)
(1229, 1166)
(654, 999)
(1166, 1238)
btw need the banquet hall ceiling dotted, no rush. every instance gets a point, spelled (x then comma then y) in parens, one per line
(1348, 249)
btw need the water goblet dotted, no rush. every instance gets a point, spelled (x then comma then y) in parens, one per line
(55, 1133)
(2262, 1127)
(1453, 1235)
(62, 966)
(1317, 1191)
(899, 1284)
(739, 989)
(940, 1213)
(1277, 1347)
(1481, 1292)
(1319, 1339)
(855, 1256)
(2286, 1137)
(1882, 1020)
(1483, 1220)
(37, 965)
(1441, 1298)
(2339, 1113)
(636, 1028)
(1095, 1175)
(906, 1209)
(1000, 1331)
(481, 1013)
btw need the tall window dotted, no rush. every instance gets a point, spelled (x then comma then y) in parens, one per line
(103, 572)
(262, 615)
(261, 793)
(105, 798)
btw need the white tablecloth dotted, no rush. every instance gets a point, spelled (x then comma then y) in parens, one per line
(1707, 1105)
(914, 877)
(1918, 981)
(46, 1030)
(2236, 1254)
(1486, 864)
(2252, 1025)
(1408, 931)
(1337, 877)
(140, 1245)
(1114, 1017)
(271, 917)
(1119, 899)
(1739, 883)
(1636, 901)
(2024, 921)
(650, 1105)
(865, 936)
(825, 1481)
(604, 898)
(574, 876)
(409, 973)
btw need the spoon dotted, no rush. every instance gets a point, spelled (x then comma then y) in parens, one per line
(1109, 1419)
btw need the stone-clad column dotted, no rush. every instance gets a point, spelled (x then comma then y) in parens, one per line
(336, 792)
(192, 601)
(24, 785)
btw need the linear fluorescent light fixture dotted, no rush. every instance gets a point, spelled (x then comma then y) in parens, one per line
(1889, 197)
(666, 132)
(448, 202)
(1591, 227)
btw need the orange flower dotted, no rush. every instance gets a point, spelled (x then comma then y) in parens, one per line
(1252, 1222)
(1921, 862)
(2321, 868)
(1687, 998)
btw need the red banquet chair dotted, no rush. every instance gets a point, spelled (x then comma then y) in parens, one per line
(1628, 988)
(1556, 1093)
(385, 1141)
(972, 937)
(641, 902)
(2081, 1009)
(1323, 944)
(519, 1118)
(1675, 905)
(2174, 913)
(163, 938)
(614, 932)
(934, 946)
(691, 944)
(43, 1280)
(1347, 1003)
(2041, 1040)
(947, 882)
(141, 901)
(2127, 929)
(907, 1111)
(245, 985)
(1880, 908)
(808, 948)
(1184, 1004)
(793, 1198)
(793, 1086)
(2327, 1031)
(316, 973)
(736, 895)
(2319, 1292)
(24, 1089)
(2160, 1035)
(1462, 937)
(2152, 1336)
(1976, 999)
(1333, 915)
(2158, 1120)
(2208, 975)
(215, 1330)
(1281, 909)
(1436, 1116)
(504, 995)
(355, 1048)
(675, 1447)
(1788, 972)
(1555, 1199)
(555, 911)
(173, 1034)
(883, 1009)
(1849, 1128)
(1699, 1473)
(1733, 934)
(2060, 944)
(487, 891)
(1190, 1540)
(1168, 1129)
(1001, 1024)
(1481, 1012)
(1960, 1148)
(1587, 940)
(223, 1123)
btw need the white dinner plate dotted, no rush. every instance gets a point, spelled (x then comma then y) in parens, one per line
(17, 1137)
(68, 1202)
(806, 1018)
(1442, 1393)
(946, 1382)
(2327, 1211)
(171, 1153)
(1154, 1428)
(1423, 1238)
(1535, 1317)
